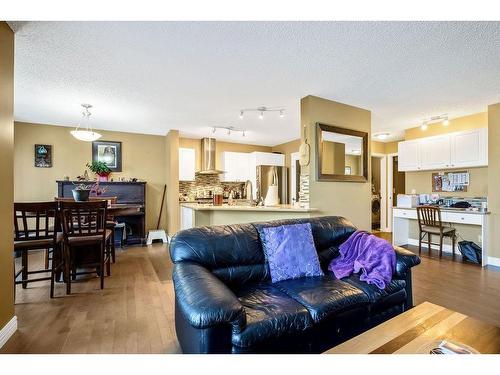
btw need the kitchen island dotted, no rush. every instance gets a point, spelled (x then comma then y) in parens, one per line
(198, 215)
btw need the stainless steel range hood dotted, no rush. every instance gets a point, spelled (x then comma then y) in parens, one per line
(208, 157)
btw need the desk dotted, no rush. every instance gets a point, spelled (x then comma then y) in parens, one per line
(401, 218)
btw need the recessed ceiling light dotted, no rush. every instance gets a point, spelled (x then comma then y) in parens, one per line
(382, 135)
(446, 122)
(424, 126)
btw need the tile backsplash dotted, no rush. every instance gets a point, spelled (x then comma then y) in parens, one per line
(203, 184)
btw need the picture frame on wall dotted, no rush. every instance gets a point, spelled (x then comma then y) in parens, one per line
(108, 152)
(43, 156)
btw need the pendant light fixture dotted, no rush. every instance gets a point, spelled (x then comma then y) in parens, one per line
(84, 131)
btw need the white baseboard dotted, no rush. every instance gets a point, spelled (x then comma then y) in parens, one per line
(492, 261)
(446, 248)
(8, 330)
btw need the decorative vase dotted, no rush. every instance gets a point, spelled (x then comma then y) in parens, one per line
(103, 177)
(81, 195)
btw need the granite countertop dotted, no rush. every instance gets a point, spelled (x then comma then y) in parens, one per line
(450, 209)
(225, 207)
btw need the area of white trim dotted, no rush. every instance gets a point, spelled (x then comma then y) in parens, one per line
(8, 330)
(446, 247)
(492, 261)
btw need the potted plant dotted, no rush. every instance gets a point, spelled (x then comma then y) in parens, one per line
(101, 169)
(81, 192)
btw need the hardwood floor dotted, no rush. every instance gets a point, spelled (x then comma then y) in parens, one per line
(135, 311)
(464, 287)
(133, 314)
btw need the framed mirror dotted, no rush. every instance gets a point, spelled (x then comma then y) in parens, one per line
(341, 154)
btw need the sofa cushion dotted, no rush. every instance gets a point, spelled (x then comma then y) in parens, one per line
(323, 296)
(290, 251)
(270, 313)
(393, 294)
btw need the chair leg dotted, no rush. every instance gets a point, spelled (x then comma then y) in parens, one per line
(429, 239)
(24, 273)
(52, 277)
(420, 243)
(103, 250)
(440, 246)
(453, 243)
(67, 268)
(46, 259)
(108, 259)
(112, 239)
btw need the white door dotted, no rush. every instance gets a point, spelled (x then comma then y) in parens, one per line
(470, 148)
(435, 152)
(187, 164)
(408, 156)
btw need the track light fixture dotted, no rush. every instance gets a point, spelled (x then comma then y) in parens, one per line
(262, 110)
(229, 129)
(434, 119)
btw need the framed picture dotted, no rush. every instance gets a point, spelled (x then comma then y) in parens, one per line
(43, 156)
(109, 153)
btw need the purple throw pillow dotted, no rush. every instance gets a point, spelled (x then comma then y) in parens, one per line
(290, 251)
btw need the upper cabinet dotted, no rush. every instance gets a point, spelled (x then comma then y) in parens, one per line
(267, 158)
(435, 153)
(408, 156)
(236, 166)
(455, 150)
(469, 148)
(187, 164)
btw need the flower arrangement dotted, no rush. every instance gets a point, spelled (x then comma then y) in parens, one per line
(101, 169)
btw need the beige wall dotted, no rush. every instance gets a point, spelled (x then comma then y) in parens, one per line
(422, 182)
(143, 157)
(349, 199)
(172, 178)
(6, 182)
(384, 147)
(494, 178)
(219, 149)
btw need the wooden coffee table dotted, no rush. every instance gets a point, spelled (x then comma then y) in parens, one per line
(420, 328)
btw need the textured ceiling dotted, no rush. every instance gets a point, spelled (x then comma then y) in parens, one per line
(149, 77)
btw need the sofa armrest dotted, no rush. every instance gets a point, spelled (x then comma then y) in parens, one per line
(204, 300)
(405, 259)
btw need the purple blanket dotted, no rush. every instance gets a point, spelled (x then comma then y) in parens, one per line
(373, 256)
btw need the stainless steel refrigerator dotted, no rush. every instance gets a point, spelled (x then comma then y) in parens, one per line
(266, 176)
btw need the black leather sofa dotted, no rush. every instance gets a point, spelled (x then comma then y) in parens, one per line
(225, 301)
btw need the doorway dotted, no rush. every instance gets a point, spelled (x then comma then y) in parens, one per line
(379, 192)
(396, 184)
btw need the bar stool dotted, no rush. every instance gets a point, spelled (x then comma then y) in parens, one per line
(429, 223)
(36, 228)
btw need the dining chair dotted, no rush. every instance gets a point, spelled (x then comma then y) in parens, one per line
(36, 228)
(110, 220)
(86, 239)
(429, 223)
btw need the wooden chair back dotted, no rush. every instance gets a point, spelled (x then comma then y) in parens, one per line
(429, 216)
(83, 219)
(110, 200)
(35, 221)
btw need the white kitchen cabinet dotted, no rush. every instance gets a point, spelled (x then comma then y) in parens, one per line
(469, 148)
(236, 166)
(268, 158)
(455, 150)
(435, 153)
(187, 164)
(408, 156)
